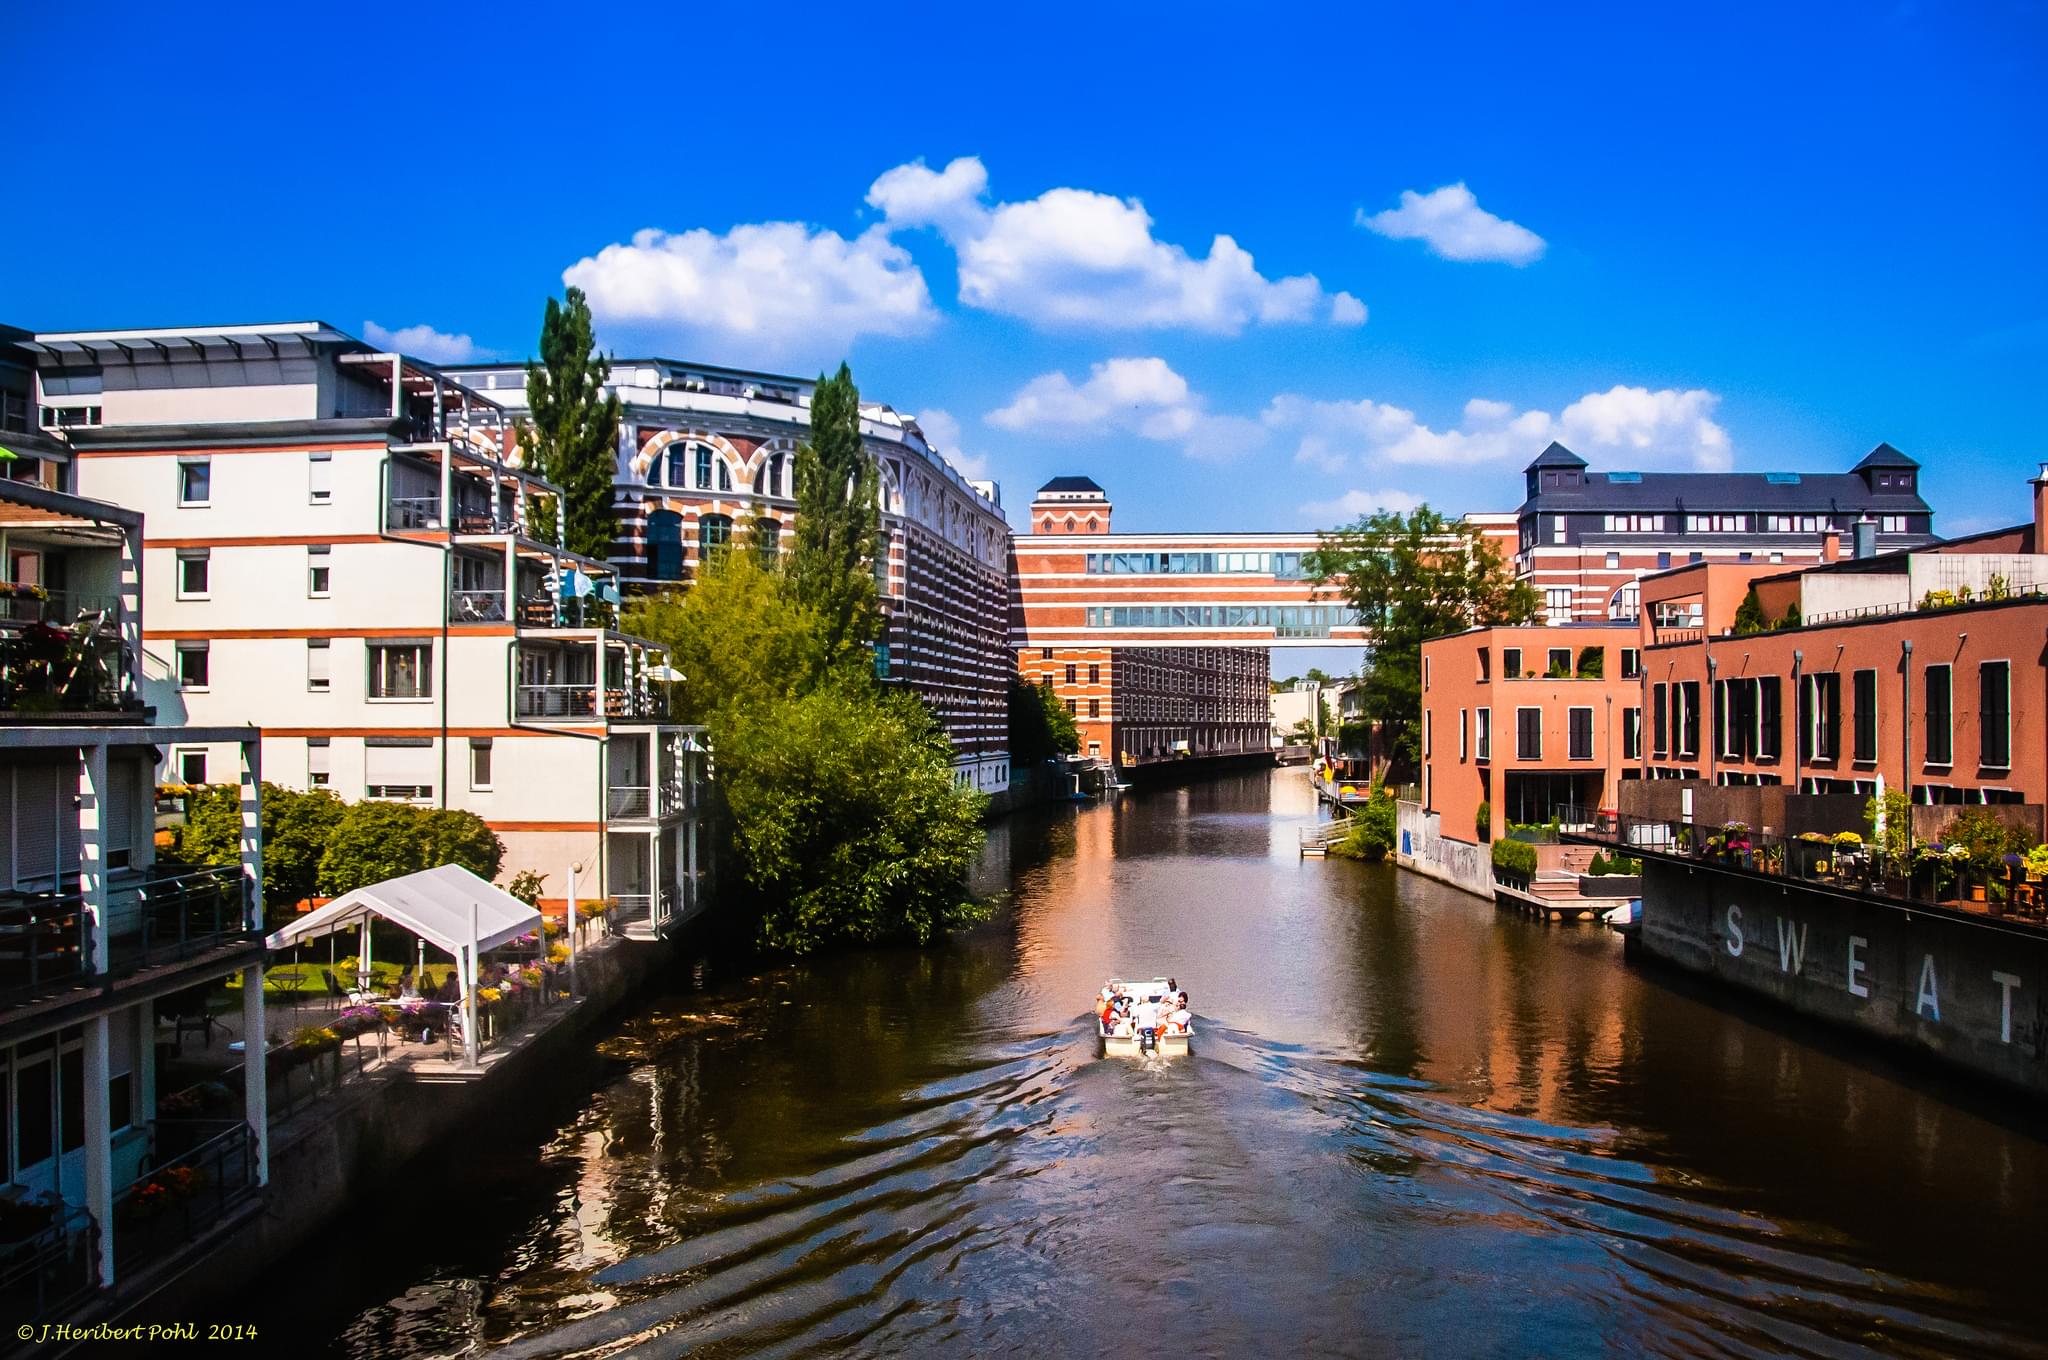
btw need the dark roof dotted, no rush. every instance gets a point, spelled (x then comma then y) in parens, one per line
(1557, 455)
(1071, 484)
(1682, 492)
(1885, 456)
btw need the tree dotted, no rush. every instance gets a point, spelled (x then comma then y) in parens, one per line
(1059, 720)
(846, 817)
(452, 836)
(1040, 726)
(838, 525)
(736, 632)
(1749, 615)
(296, 826)
(1414, 577)
(373, 841)
(572, 437)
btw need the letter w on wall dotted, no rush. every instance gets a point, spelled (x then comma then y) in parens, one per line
(1791, 946)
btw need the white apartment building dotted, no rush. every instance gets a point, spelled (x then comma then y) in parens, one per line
(97, 937)
(706, 453)
(343, 550)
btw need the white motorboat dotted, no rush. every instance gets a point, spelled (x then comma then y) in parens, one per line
(1121, 1037)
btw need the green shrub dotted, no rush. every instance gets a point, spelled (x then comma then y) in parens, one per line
(1482, 817)
(1372, 833)
(1515, 858)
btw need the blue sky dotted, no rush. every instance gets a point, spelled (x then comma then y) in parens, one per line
(1762, 238)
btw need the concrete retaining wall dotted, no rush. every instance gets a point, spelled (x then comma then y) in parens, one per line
(1419, 846)
(1971, 991)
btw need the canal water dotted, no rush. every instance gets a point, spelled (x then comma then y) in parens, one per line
(1411, 1126)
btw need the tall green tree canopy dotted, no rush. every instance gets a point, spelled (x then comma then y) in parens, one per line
(838, 522)
(572, 437)
(1413, 577)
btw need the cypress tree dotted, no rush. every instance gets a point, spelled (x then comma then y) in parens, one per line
(838, 525)
(572, 437)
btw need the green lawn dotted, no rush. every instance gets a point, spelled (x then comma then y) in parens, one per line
(284, 980)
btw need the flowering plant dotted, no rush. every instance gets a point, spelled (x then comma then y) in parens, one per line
(1848, 840)
(490, 996)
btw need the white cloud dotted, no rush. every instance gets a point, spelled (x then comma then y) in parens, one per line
(1455, 227)
(1352, 504)
(1141, 397)
(766, 290)
(1075, 257)
(942, 432)
(424, 342)
(1666, 427)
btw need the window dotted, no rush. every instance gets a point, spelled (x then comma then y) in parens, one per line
(1557, 604)
(768, 539)
(193, 566)
(713, 531)
(1558, 524)
(1940, 715)
(1635, 524)
(400, 768)
(1095, 708)
(195, 481)
(1485, 664)
(1631, 734)
(319, 767)
(1863, 689)
(1463, 750)
(1557, 661)
(1483, 740)
(318, 677)
(319, 478)
(1631, 663)
(480, 763)
(192, 665)
(1769, 719)
(1717, 524)
(1072, 707)
(1663, 560)
(319, 573)
(1070, 672)
(1528, 734)
(1613, 561)
(1820, 718)
(401, 670)
(1579, 734)
(1045, 654)
(705, 458)
(724, 470)
(1994, 714)
(1511, 663)
(1891, 524)
(1689, 730)
(1428, 729)
(1094, 673)
(665, 545)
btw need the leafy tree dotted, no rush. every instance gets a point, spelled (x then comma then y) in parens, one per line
(838, 524)
(1371, 837)
(572, 437)
(373, 841)
(1592, 662)
(452, 836)
(526, 886)
(846, 816)
(1414, 577)
(1749, 615)
(736, 632)
(1040, 726)
(296, 826)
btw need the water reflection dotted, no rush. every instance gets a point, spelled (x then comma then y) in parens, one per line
(1410, 1125)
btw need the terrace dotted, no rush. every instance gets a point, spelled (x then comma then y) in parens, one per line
(70, 616)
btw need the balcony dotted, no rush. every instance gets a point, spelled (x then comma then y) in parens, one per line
(61, 654)
(47, 940)
(582, 701)
(412, 513)
(185, 1195)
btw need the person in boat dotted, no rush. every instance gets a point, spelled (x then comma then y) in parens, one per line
(1147, 1016)
(1180, 1019)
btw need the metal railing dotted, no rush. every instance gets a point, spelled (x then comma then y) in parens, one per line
(45, 947)
(170, 1206)
(477, 606)
(46, 1272)
(174, 918)
(412, 512)
(629, 800)
(580, 701)
(470, 519)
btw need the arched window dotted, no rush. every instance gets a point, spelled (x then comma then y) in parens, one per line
(768, 538)
(678, 465)
(1626, 602)
(724, 473)
(772, 474)
(705, 458)
(713, 531)
(665, 546)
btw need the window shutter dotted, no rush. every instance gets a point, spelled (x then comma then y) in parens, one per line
(36, 845)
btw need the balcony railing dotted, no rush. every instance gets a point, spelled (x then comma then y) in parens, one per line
(580, 701)
(172, 1205)
(47, 1269)
(1823, 861)
(413, 512)
(471, 519)
(630, 800)
(47, 939)
(476, 606)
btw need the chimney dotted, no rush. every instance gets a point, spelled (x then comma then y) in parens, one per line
(1831, 544)
(1866, 537)
(2041, 509)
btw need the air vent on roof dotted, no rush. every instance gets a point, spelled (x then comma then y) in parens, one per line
(1782, 478)
(1630, 477)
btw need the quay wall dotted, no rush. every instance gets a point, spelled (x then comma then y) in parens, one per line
(1421, 846)
(1970, 991)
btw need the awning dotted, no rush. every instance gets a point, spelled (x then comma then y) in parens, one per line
(446, 906)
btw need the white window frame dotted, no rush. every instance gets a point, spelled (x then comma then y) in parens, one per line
(1592, 737)
(186, 502)
(1482, 734)
(1537, 709)
(320, 772)
(203, 648)
(202, 556)
(320, 479)
(373, 654)
(490, 755)
(320, 677)
(1981, 762)
(186, 754)
(1926, 688)
(319, 559)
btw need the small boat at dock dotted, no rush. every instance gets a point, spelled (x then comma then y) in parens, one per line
(1121, 1034)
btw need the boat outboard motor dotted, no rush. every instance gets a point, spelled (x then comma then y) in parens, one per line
(1148, 1040)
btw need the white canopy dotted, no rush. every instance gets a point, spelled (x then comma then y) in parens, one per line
(447, 906)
